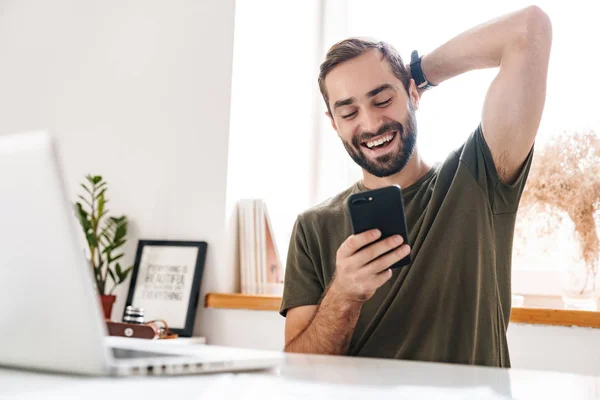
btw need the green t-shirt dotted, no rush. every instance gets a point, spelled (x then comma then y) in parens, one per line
(453, 302)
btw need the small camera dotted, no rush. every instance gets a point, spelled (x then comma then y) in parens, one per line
(134, 315)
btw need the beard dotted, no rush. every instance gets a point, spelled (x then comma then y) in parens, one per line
(395, 159)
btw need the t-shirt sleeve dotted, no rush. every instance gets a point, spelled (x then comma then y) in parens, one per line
(301, 286)
(477, 157)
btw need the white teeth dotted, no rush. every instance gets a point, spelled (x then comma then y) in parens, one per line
(377, 142)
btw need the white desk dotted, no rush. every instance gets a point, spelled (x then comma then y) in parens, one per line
(313, 377)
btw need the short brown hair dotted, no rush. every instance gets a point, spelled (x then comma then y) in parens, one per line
(353, 47)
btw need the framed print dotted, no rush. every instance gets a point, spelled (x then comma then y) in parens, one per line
(165, 282)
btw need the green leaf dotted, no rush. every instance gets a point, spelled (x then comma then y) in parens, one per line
(118, 244)
(99, 280)
(118, 257)
(101, 187)
(108, 229)
(86, 189)
(93, 222)
(113, 247)
(105, 240)
(121, 231)
(98, 274)
(96, 179)
(86, 201)
(112, 275)
(80, 210)
(108, 248)
(102, 214)
(83, 217)
(124, 274)
(118, 269)
(100, 205)
(93, 242)
(108, 232)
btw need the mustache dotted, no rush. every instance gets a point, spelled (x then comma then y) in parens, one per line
(388, 127)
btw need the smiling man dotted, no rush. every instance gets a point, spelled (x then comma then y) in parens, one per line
(453, 302)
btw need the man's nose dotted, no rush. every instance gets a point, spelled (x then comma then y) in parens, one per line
(371, 122)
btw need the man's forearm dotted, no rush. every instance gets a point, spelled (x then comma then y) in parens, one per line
(480, 47)
(330, 330)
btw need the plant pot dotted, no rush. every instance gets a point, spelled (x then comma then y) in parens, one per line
(107, 304)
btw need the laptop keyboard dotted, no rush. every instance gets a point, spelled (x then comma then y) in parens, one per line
(126, 354)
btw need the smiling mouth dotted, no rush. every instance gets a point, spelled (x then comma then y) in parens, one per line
(380, 141)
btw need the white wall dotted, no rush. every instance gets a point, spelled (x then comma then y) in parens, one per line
(248, 329)
(139, 92)
(555, 348)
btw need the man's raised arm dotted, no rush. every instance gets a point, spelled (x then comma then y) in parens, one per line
(519, 43)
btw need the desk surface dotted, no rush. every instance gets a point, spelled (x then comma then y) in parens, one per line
(314, 377)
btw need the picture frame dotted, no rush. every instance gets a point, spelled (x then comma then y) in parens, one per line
(166, 280)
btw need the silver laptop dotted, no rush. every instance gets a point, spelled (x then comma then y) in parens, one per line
(50, 315)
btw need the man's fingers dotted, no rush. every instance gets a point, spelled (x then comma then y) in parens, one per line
(369, 253)
(386, 261)
(382, 277)
(374, 282)
(355, 242)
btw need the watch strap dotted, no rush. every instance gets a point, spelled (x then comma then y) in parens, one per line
(417, 73)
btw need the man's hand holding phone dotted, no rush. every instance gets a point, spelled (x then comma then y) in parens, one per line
(362, 265)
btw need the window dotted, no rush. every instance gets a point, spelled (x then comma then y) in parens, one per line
(272, 128)
(283, 148)
(450, 112)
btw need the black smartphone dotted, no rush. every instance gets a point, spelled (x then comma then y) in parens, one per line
(381, 209)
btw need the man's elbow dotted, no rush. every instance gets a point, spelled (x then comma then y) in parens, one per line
(291, 348)
(537, 28)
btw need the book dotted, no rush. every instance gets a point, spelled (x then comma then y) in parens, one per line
(260, 266)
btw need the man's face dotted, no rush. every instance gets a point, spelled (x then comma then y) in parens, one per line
(373, 114)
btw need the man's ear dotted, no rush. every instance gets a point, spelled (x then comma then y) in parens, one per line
(331, 120)
(414, 94)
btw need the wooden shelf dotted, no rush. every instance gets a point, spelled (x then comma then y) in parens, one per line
(242, 301)
(545, 316)
(525, 315)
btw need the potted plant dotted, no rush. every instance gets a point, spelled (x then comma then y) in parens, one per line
(105, 235)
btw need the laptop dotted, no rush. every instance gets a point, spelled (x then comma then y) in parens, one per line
(50, 314)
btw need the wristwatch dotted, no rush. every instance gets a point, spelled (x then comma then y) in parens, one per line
(417, 73)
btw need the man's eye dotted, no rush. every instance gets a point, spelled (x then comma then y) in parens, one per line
(384, 103)
(349, 115)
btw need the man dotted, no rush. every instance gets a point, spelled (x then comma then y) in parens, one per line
(453, 302)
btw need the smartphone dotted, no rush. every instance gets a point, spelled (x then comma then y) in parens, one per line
(381, 209)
